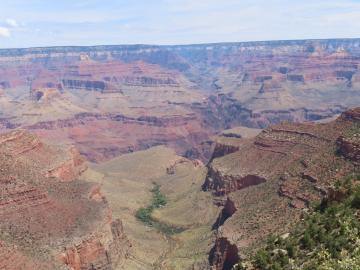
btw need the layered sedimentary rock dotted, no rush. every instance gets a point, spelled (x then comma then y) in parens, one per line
(271, 178)
(70, 169)
(50, 220)
(349, 144)
(100, 251)
(350, 148)
(104, 136)
(218, 86)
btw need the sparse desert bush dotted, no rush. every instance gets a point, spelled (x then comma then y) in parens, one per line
(159, 199)
(354, 131)
(144, 213)
(328, 238)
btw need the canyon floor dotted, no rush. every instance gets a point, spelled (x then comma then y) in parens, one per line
(126, 182)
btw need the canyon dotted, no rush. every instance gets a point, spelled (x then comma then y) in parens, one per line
(270, 180)
(240, 138)
(111, 100)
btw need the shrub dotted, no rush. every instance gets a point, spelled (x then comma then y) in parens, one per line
(262, 259)
(290, 248)
(276, 266)
(307, 241)
(144, 214)
(158, 200)
(355, 203)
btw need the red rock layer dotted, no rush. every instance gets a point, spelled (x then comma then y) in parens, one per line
(92, 253)
(159, 88)
(124, 134)
(41, 216)
(297, 163)
(70, 169)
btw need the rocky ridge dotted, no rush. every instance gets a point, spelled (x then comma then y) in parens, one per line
(288, 166)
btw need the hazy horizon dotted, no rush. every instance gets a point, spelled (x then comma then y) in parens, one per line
(38, 23)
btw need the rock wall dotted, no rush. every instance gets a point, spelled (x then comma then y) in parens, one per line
(224, 184)
(98, 252)
(49, 220)
(272, 178)
(224, 255)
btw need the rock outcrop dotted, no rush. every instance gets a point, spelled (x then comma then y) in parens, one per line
(48, 219)
(224, 254)
(349, 144)
(349, 148)
(69, 169)
(101, 251)
(273, 177)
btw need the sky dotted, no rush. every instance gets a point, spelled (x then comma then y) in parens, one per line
(33, 23)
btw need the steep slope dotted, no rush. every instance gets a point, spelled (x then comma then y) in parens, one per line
(265, 185)
(325, 238)
(50, 220)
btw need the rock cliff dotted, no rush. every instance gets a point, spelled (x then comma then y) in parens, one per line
(218, 86)
(268, 182)
(49, 219)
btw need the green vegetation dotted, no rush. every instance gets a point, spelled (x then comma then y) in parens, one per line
(354, 131)
(327, 239)
(158, 200)
(144, 214)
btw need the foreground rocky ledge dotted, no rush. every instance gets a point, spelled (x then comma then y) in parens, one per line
(48, 219)
(266, 184)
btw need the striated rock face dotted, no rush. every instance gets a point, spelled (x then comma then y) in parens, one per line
(224, 184)
(70, 169)
(98, 252)
(87, 85)
(50, 222)
(59, 162)
(221, 149)
(124, 134)
(174, 95)
(232, 140)
(274, 176)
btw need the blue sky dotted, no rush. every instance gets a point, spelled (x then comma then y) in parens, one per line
(29, 23)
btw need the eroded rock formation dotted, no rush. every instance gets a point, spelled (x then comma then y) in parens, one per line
(298, 163)
(174, 95)
(48, 219)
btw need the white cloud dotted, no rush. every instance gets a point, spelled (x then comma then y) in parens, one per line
(87, 22)
(11, 23)
(4, 32)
